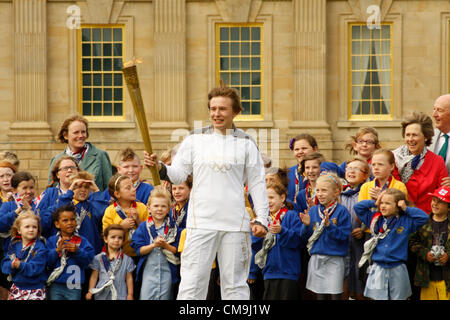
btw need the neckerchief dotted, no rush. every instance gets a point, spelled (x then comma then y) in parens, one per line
(179, 213)
(297, 182)
(386, 184)
(310, 194)
(137, 183)
(349, 191)
(111, 270)
(24, 253)
(319, 230)
(75, 238)
(78, 155)
(406, 162)
(19, 201)
(123, 215)
(80, 216)
(269, 240)
(379, 228)
(170, 234)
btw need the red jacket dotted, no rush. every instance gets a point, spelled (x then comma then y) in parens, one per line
(426, 179)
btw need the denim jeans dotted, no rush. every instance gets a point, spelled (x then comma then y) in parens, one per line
(59, 291)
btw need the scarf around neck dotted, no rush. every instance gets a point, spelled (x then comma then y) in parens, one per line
(406, 162)
(170, 234)
(75, 238)
(321, 227)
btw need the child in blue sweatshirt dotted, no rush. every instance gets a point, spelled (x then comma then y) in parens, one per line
(69, 254)
(26, 259)
(327, 227)
(390, 226)
(278, 253)
(89, 208)
(310, 169)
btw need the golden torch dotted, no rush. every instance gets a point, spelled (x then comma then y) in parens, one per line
(131, 79)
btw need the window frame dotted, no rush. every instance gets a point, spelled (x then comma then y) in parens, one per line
(101, 118)
(260, 25)
(376, 117)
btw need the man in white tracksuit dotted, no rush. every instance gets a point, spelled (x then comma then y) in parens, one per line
(222, 159)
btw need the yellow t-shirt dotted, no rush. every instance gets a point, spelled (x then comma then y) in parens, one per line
(181, 245)
(112, 217)
(364, 191)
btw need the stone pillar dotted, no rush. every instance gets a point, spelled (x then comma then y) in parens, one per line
(169, 105)
(309, 110)
(30, 72)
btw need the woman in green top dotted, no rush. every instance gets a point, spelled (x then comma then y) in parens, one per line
(74, 132)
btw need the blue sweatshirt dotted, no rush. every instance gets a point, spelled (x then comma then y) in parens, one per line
(283, 260)
(142, 238)
(82, 258)
(90, 228)
(31, 274)
(392, 250)
(334, 240)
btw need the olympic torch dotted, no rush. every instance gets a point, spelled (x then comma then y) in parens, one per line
(131, 79)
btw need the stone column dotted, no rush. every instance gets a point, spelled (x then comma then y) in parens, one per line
(30, 72)
(169, 105)
(309, 110)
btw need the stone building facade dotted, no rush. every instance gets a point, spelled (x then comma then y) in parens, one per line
(326, 67)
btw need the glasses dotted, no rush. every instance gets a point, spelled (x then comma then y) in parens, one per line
(71, 168)
(352, 169)
(368, 142)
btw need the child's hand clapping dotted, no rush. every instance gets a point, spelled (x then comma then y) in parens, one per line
(15, 264)
(275, 227)
(306, 219)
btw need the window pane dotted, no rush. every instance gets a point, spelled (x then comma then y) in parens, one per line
(256, 78)
(224, 64)
(118, 94)
(386, 107)
(386, 92)
(375, 79)
(118, 80)
(107, 94)
(86, 34)
(87, 94)
(96, 34)
(256, 107)
(256, 33)
(97, 109)
(224, 49)
(107, 79)
(356, 107)
(107, 36)
(245, 63)
(245, 93)
(97, 79)
(97, 49)
(107, 109)
(365, 107)
(117, 109)
(234, 33)
(245, 48)
(256, 93)
(386, 62)
(87, 109)
(107, 64)
(235, 79)
(376, 93)
(224, 34)
(356, 32)
(234, 63)
(245, 33)
(246, 107)
(256, 48)
(256, 63)
(86, 79)
(97, 94)
(385, 47)
(356, 47)
(376, 34)
(385, 31)
(365, 32)
(234, 49)
(376, 107)
(225, 77)
(245, 78)
(86, 49)
(97, 64)
(117, 64)
(117, 34)
(356, 92)
(356, 77)
(107, 51)
(356, 63)
(117, 49)
(86, 64)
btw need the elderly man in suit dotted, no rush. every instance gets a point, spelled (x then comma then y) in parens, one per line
(440, 143)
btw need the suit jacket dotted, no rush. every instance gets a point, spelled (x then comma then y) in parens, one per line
(433, 146)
